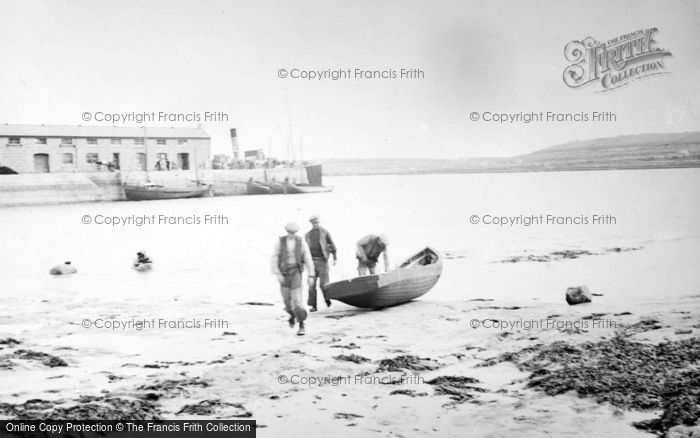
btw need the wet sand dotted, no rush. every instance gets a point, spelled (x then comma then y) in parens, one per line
(412, 370)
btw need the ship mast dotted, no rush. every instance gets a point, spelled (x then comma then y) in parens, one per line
(145, 145)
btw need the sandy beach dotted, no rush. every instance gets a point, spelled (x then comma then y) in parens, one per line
(412, 370)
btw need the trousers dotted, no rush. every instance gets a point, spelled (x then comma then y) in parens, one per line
(322, 278)
(292, 294)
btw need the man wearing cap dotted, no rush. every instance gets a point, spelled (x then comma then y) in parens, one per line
(321, 247)
(369, 248)
(289, 259)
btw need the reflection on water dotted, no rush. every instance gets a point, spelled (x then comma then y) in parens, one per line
(656, 209)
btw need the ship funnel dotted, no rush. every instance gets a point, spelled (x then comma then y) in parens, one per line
(234, 143)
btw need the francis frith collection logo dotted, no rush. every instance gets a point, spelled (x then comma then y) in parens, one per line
(616, 63)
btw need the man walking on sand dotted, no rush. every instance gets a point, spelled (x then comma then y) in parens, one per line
(369, 248)
(289, 259)
(321, 247)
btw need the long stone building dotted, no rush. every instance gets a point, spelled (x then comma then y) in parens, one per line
(70, 148)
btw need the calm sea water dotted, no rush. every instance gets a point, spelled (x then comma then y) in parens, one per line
(658, 210)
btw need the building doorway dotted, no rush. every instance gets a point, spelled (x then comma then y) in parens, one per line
(41, 163)
(183, 161)
(141, 160)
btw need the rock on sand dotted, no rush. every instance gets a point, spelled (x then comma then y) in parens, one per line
(578, 295)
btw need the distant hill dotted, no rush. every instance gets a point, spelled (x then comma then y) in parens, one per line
(640, 151)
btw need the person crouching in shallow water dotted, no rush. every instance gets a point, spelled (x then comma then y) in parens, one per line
(142, 262)
(65, 269)
(289, 260)
(369, 248)
(321, 247)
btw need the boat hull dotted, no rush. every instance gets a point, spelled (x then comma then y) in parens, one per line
(302, 188)
(392, 288)
(138, 193)
(258, 189)
(143, 267)
(277, 188)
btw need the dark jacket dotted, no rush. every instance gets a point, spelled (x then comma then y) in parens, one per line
(326, 241)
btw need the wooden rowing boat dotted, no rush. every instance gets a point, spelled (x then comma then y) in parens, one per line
(307, 188)
(143, 267)
(416, 276)
(277, 188)
(150, 192)
(257, 188)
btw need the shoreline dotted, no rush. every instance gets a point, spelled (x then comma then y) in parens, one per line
(466, 171)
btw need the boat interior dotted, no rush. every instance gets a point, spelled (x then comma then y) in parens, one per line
(423, 258)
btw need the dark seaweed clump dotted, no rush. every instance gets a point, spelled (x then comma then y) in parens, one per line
(85, 408)
(624, 373)
(459, 388)
(356, 358)
(210, 407)
(407, 362)
(46, 359)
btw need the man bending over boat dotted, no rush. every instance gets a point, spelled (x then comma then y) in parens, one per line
(321, 247)
(289, 259)
(369, 248)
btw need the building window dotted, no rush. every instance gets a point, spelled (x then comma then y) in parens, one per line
(91, 141)
(14, 141)
(67, 158)
(41, 140)
(92, 158)
(182, 141)
(138, 141)
(116, 141)
(160, 141)
(67, 140)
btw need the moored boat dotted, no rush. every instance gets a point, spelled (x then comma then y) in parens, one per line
(258, 188)
(307, 188)
(150, 192)
(413, 278)
(277, 188)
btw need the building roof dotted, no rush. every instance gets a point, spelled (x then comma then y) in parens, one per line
(10, 130)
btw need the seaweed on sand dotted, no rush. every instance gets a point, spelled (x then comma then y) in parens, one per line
(173, 388)
(356, 358)
(11, 342)
(624, 373)
(210, 407)
(408, 392)
(459, 388)
(564, 254)
(85, 408)
(46, 359)
(407, 362)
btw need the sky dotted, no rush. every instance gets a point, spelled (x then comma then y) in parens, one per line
(63, 58)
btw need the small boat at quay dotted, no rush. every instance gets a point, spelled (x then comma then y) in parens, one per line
(258, 188)
(277, 188)
(151, 192)
(286, 188)
(413, 278)
(307, 188)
